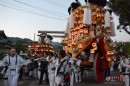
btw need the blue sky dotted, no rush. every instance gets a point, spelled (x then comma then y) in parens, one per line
(17, 23)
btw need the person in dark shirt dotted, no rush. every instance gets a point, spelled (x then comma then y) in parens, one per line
(43, 70)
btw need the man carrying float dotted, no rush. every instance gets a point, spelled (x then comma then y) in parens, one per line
(124, 69)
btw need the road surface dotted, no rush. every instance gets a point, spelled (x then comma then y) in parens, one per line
(86, 81)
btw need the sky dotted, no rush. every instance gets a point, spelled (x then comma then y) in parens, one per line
(23, 18)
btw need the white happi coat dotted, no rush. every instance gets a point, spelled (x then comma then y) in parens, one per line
(75, 68)
(13, 68)
(51, 71)
(60, 78)
(125, 63)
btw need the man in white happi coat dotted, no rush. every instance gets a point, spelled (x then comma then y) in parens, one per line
(51, 69)
(71, 67)
(61, 68)
(124, 69)
(13, 61)
(75, 70)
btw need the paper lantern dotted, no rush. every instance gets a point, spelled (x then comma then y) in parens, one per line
(93, 13)
(109, 59)
(72, 33)
(94, 22)
(69, 45)
(81, 30)
(80, 46)
(85, 30)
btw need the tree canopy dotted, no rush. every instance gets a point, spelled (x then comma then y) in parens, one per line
(122, 9)
(123, 47)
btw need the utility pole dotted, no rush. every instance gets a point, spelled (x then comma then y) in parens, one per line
(34, 36)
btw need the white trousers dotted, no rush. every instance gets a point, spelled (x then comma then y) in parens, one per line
(77, 77)
(72, 79)
(35, 72)
(126, 79)
(39, 74)
(52, 79)
(12, 80)
(59, 80)
(30, 73)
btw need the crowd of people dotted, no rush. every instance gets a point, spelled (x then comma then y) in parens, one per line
(56, 69)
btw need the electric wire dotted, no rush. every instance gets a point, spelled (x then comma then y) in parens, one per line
(39, 8)
(31, 12)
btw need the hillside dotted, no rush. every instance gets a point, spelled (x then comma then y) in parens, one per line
(15, 39)
(56, 45)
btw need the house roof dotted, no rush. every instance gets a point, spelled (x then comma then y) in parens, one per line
(4, 38)
(2, 34)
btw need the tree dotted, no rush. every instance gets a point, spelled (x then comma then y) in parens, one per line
(21, 45)
(126, 48)
(123, 47)
(122, 9)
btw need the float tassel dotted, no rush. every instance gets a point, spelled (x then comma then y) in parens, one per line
(112, 27)
(71, 20)
(107, 19)
(67, 31)
(87, 15)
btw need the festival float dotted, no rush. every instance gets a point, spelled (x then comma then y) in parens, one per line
(89, 31)
(43, 45)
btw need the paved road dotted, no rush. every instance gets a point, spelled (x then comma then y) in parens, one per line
(87, 81)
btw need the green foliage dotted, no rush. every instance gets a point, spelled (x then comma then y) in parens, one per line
(21, 45)
(124, 46)
(2, 53)
(15, 39)
(122, 9)
(57, 46)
